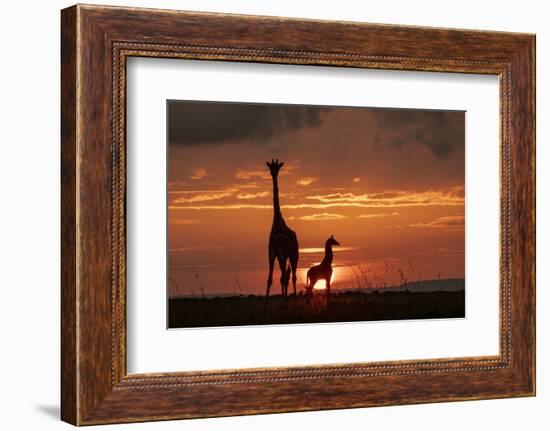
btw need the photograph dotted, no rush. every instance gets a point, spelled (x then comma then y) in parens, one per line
(287, 214)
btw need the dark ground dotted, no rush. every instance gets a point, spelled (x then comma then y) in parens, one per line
(342, 307)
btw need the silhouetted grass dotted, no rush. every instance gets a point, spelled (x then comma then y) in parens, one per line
(342, 307)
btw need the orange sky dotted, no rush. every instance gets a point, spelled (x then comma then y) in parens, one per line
(388, 183)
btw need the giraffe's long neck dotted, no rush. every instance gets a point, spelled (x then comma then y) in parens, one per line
(327, 260)
(276, 208)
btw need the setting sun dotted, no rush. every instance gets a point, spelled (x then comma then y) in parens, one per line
(321, 284)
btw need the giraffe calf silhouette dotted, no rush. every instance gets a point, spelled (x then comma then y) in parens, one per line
(323, 271)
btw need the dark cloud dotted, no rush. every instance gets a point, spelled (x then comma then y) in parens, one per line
(441, 131)
(209, 123)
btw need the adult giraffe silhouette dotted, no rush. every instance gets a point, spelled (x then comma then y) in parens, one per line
(283, 243)
(323, 271)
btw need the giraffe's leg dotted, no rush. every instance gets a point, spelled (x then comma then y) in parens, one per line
(312, 283)
(282, 265)
(270, 274)
(287, 278)
(328, 284)
(294, 265)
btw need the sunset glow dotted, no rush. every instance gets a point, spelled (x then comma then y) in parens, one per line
(321, 284)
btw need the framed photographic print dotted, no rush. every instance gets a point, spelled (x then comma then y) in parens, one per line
(349, 172)
(268, 215)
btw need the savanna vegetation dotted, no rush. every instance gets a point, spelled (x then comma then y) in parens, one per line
(341, 307)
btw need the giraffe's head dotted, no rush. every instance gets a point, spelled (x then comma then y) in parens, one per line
(332, 241)
(274, 167)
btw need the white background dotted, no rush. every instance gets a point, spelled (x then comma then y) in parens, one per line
(29, 224)
(151, 348)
